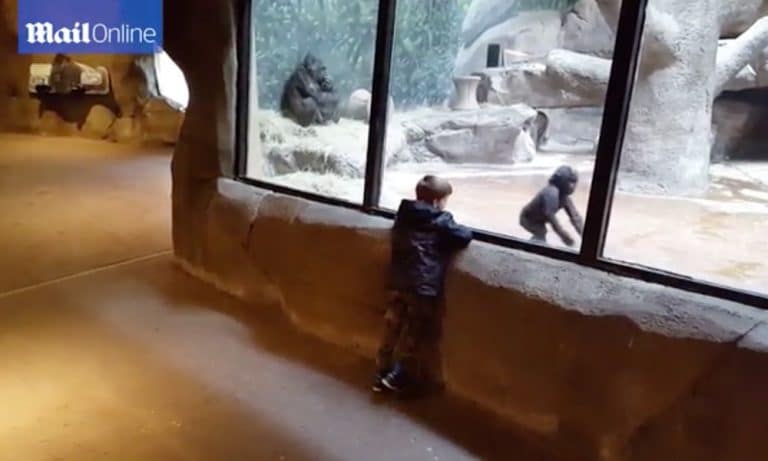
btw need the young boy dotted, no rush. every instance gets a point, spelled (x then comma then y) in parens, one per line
(424, 237)
(551, 199)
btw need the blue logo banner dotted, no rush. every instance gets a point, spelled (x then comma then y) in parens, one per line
(90, 26)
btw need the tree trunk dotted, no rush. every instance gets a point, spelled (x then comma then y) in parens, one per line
(668, 138)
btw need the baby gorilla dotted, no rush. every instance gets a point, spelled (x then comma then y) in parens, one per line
(551, 199)
(308, 96)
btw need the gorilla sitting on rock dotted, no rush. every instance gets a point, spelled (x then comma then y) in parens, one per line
(309, 97)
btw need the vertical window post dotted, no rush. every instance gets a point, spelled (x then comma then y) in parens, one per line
(245, 42)
(377, 129)
(617, 104)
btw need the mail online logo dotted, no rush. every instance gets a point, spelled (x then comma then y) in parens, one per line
(90, 26)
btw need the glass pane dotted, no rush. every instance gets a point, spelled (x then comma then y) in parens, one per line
(496, 96)
(311, 78)
(692, 192)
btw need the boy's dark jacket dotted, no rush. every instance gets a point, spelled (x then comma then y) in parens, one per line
(423, 239)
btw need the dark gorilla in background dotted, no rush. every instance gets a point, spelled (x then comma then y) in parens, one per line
(308, 95)
(551, 199)
(541, 125)
(484, 88)
(65, 75)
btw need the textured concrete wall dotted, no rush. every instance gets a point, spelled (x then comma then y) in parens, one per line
(598, 366)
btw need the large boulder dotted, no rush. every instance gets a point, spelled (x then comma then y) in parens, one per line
(486, 135)
(358, 106)
(530, 83)
(573, 129)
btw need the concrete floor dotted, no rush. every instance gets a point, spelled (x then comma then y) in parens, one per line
(71, 205)
(105, 360)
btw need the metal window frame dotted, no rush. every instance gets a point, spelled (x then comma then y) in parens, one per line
(616, 112)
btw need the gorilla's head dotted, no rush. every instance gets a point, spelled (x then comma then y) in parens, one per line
(317, 71)
(565, 179)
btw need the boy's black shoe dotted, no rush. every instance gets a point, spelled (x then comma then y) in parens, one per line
(397, 380)
(378, 386)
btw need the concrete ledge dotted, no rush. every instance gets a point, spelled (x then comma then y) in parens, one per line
(599, 366)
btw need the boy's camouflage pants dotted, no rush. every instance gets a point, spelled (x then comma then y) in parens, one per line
(411, 334)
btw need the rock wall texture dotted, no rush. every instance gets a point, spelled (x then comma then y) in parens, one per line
(597, 366)
(518, 27)
(132, 112)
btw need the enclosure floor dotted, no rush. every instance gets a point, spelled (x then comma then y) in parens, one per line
(718, 238)
(139, 361)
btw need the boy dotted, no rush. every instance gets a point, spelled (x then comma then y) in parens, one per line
(545, 205)
(424, 237)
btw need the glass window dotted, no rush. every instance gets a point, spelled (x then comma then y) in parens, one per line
(692, 193)
(496, 96)
(311, 79)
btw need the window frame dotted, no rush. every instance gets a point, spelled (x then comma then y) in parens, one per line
(616, 111)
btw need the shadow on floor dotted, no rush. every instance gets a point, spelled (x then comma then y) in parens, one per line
(479, 433)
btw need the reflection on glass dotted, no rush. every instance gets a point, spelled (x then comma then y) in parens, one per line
(497, 96)
(693, 182)
(170, 80)
(310, 94)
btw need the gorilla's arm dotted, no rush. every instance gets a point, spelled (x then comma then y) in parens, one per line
(558, 228)
(573, 213)
(550, 197)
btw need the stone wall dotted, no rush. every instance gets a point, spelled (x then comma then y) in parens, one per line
(596, 366)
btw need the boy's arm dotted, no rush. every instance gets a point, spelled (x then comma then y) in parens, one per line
(456, 236)
(573, 213)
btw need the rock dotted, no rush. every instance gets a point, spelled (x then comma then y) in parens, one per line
(125, 130)
(746, 78)
(572, 129)
(53, 125)
(98, 123)
(161, 121)
(585, 30)
(528, 83)
(524, 148)
(486, 135)
(533, 32)
(358, 106)
(23, 114)
(585, 76)
(339, 149)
